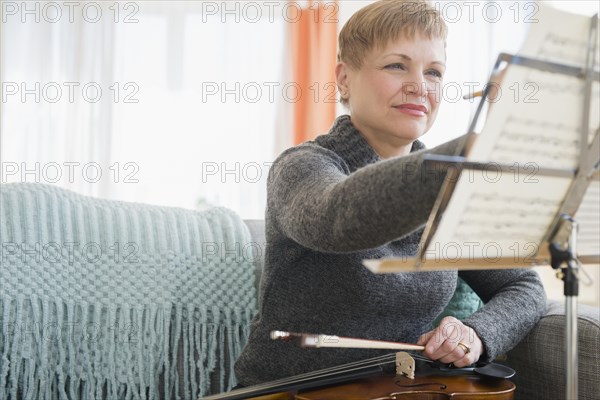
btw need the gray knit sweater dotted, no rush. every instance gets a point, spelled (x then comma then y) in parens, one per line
(332, 203)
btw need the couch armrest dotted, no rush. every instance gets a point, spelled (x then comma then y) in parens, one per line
(164, 320)
(540, 358)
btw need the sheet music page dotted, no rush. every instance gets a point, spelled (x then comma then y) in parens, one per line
(588, 218)
(565, 46)
(491, 216)
(536, 123)
(560, 37)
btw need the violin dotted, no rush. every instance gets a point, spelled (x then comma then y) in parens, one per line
(429, 385)
(372, 379)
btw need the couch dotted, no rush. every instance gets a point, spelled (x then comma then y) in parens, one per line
(155, 302)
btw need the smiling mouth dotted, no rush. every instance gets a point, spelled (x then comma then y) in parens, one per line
(412, 109)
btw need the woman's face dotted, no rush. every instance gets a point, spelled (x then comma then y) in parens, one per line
(394, 96)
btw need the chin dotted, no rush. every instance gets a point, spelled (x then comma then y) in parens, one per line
(409, 136)
(412, 134)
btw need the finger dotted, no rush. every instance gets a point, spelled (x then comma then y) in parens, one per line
(445, 353)
(443, 343)
(431, 344)
(459, 357)
(465, 361)
(424, 338)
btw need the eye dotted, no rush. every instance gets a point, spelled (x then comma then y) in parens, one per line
(399, 66)
(434, 72)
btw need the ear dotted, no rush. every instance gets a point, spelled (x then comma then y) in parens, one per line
(342, 78)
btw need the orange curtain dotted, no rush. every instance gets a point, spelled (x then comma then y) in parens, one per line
(313, 47)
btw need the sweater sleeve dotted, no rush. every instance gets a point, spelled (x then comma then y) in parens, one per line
(322, 206)
(514, 300)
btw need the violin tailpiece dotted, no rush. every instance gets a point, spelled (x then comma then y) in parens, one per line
(405, 365)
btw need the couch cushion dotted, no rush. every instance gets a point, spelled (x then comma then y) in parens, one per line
(540, 358)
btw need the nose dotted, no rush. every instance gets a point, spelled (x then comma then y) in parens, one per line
(416, 86)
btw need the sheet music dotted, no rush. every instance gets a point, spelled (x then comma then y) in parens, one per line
(536, 123)
(537, 120)
(549, 40)
(560, 37)
(540, 127)
(490, 216)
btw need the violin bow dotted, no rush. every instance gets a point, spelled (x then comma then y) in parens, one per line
(319, 340)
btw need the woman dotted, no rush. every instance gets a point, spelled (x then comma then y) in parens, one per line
(362, 192)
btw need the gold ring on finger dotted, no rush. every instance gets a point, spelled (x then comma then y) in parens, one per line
(465, 347)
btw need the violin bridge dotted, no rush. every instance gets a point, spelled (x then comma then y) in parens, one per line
(405, 365)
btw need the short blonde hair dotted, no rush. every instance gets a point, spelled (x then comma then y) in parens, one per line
(378, 23)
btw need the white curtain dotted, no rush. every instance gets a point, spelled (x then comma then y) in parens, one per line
(187, 114)
(56, 125)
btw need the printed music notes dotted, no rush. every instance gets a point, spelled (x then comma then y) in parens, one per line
(559, 37)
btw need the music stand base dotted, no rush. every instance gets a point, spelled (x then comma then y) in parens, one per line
(562, 253)
(571, 346)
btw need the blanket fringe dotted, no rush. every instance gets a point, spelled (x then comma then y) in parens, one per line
(51, 348)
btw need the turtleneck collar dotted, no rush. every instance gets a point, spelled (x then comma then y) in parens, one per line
(346, 141)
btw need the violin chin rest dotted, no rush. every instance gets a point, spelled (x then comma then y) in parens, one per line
(493, 370)
(490, 370)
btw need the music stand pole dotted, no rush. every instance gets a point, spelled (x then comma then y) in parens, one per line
(563, 257)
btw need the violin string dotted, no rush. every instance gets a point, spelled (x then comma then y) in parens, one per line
(354, 366)
(421, 358)
(382, 360)
(323, 372)
(350, 367)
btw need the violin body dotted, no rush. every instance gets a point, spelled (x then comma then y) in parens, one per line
(431, 385)
(442, 387)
